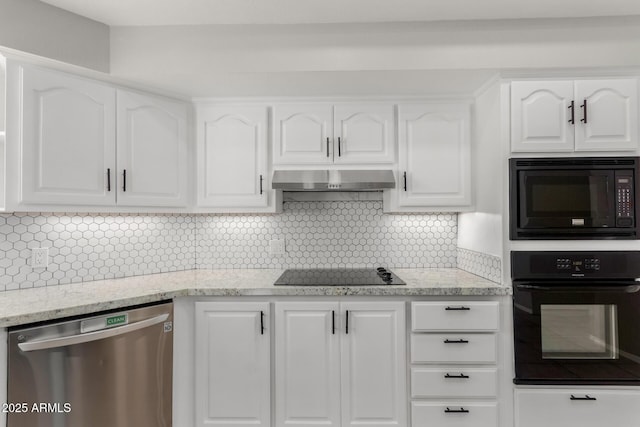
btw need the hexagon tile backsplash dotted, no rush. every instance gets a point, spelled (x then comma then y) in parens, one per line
(84, 247)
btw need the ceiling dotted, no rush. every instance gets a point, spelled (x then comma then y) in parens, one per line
(204, 12)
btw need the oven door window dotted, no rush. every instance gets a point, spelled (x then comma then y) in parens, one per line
(567, 199)
(579, 331)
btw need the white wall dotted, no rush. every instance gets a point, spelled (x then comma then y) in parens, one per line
(481, 231)
(41, 29)
(207, 60)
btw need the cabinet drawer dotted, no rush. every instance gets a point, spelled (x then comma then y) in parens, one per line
(426, 414)
(454, 316)
(453, 348)
(453, 382)
(556, 408)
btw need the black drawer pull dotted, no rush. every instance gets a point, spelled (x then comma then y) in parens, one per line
(459, 308)
(586, 397)
(447, 375)
(456, 411)
(460, 341)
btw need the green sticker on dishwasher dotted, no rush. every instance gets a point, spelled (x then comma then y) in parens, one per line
(120, 319)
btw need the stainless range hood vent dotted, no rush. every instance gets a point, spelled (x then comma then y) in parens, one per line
(333, 180)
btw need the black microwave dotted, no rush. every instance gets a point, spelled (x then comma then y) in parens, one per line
(573, 198)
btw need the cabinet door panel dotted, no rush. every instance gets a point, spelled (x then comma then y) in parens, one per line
(555, 408)
(152, 151)
(366, 133)
(612, 115)
(301, 133)
(67, 139)
(540, 116)
(232, 364)
(435, 155)
(232, 156)
(307, 365)
(374, 365)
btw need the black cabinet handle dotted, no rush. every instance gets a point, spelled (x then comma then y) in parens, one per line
(460, 341)
(260, 184)
(346, 328)
(460, 308)
(456, 411)
(404, 175)
(327, 146)
(572, 107)
(333, 322)
(584, 112)
(586, 397)
(108, 179)
(339, 149)
(124, 180)
(261, 322)
(447, 375)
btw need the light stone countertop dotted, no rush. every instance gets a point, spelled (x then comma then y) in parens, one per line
(54, 302)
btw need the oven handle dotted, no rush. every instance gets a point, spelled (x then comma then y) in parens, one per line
(628, 289)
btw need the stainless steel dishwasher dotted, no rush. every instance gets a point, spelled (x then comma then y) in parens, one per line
(112, 369)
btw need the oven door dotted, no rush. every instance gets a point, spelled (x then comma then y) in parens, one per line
(566, 199)
(585, 334)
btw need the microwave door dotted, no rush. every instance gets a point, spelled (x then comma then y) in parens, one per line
(567, 199)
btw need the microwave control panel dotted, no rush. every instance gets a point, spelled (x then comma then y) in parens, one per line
(624, 199)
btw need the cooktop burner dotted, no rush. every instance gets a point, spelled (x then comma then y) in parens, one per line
(338, 277)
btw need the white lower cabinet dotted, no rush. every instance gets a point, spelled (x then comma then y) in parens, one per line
(577, 408)
(232, 364)
(454, 414)
(454, 363)
(340, 364)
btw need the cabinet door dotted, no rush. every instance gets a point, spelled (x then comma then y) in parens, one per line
(364, 133)
(434, 150)
(541, 115)
(232, 156)
(572, 408)
(67, 139)
(374, 364)
(152, 152)
(307, 364)
(232, 364)
(302, 134)
(611, 122)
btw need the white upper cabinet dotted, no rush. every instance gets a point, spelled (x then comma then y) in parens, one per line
(233, 166)
(434, 170)
(82, 143)
(152, 151)
(581, 115)
(608, 116)
(325, 134)
(541, 116)
(67, 139)
(363, 133)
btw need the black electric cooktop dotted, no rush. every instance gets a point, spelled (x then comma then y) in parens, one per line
(338, 277)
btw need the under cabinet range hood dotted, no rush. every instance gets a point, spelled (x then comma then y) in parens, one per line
(332, 180)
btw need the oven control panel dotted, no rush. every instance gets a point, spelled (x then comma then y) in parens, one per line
(578, 264)
(575, 264)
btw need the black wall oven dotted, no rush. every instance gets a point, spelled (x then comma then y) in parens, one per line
(576, 317)
(573, 198)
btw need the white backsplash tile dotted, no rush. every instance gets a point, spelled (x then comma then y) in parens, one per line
(481, 264)
(85, 247)
(327, 234)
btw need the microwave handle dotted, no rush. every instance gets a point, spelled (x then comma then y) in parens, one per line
(629, 289)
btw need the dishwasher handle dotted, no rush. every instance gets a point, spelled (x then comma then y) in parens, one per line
(91, 336)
